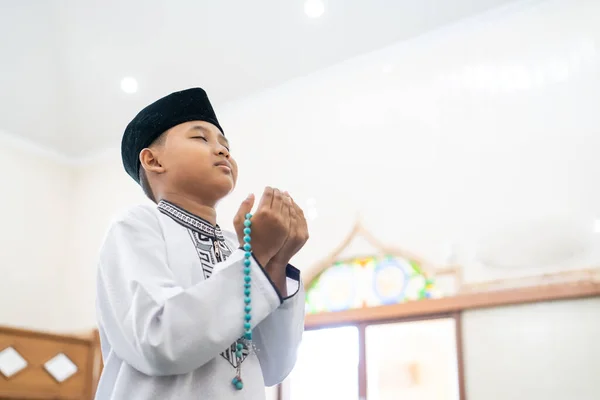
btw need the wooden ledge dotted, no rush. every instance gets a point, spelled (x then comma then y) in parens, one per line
(462, 302)
(22, 332)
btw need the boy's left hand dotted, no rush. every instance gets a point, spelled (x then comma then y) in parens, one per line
(296, 239)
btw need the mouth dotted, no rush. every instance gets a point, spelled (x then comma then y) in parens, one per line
(223, 164)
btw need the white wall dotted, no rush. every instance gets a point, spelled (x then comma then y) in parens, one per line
(544, 351)
(485, 124)
(35, 206)
(100, 191)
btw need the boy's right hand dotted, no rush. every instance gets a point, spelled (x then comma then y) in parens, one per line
(270, 223)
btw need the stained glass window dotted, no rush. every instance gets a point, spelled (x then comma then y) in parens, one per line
(368, 282)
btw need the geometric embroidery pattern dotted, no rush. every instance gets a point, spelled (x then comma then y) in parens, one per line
(205, 249)
(190, 220)
(212, 248)
(229, 354)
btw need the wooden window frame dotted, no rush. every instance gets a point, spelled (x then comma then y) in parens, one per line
(448, 307)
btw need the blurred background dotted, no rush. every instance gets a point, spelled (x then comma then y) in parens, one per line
(444, 151)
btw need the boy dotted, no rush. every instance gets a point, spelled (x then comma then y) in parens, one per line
(170, 288)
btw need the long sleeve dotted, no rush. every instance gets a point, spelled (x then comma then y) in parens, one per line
(151, 322)
(278, 336)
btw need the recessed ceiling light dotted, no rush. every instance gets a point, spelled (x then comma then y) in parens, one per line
(129, 85)
(314, 8)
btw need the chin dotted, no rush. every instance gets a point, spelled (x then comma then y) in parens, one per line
(224, 188)
(212, 191)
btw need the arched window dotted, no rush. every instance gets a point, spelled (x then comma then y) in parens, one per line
(369, 282)
(350, 352)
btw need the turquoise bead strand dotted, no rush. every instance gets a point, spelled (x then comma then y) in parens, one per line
(237, 381)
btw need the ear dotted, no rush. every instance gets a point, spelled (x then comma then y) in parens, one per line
(149, 160)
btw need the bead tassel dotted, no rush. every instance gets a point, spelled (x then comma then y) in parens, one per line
(237, 380)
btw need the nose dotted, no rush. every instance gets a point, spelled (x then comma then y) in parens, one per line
(222, 150)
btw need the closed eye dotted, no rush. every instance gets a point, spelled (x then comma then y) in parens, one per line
(200, 137)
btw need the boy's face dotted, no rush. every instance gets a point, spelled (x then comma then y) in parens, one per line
(196, 159)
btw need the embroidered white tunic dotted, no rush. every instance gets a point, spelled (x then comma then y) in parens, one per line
(170, 303)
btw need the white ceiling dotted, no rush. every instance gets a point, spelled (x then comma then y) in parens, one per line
(488, 130)
(62, 61)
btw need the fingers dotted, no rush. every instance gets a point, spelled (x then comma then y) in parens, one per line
(301, 217)
(244, 209)
(240, 216)
(301, 224)
(297, 210)
(293, 217)
(277, 204)
(267, 198)
(247, 204)
(292, 205)
(288, 212)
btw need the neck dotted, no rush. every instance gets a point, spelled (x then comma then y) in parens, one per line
(192, 205)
